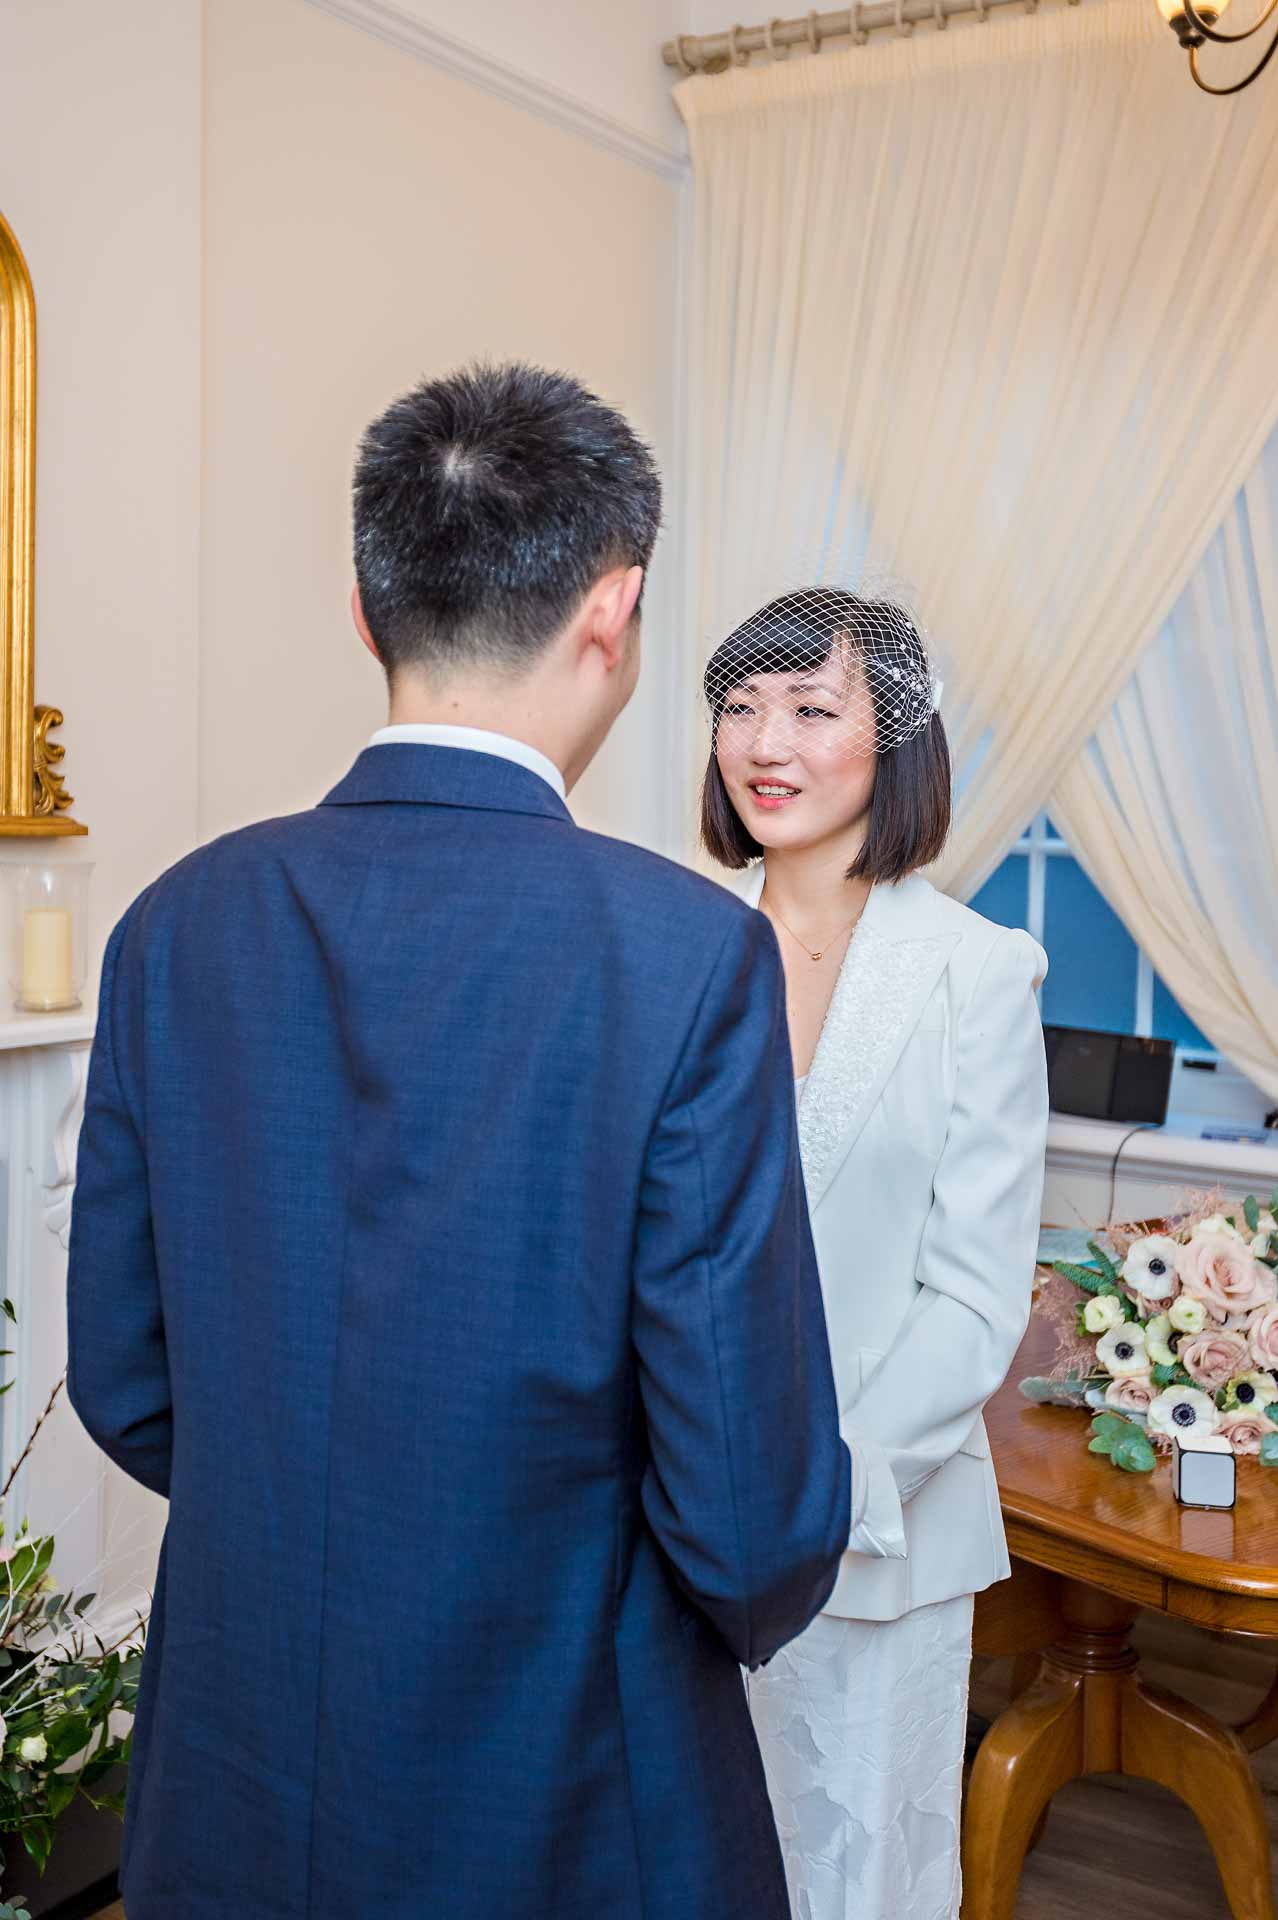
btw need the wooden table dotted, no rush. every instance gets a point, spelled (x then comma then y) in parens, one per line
(1090, 1547)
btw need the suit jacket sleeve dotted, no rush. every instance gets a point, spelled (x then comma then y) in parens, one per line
(748, 1484)
(118, 1375)
(976, 1261)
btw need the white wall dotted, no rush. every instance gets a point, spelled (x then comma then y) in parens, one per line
(604, 53)
(100, 180)
(368, 219)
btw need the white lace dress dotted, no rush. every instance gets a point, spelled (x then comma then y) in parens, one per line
(862, 1725)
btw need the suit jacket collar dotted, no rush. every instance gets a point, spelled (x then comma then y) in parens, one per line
(404, 772)
(894, 959)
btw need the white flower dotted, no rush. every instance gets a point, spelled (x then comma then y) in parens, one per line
(1150, 1267)
(1260, 1245)
(35, 1748)
(1214, 1223)
(1183, 1410)
(1158, 1333)
(1186, 1315)
(1103, 1311)
(4, 1730)
(1251, 1391)
(1122, 1351)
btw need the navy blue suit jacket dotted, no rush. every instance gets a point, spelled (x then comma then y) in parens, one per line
(440, 1251)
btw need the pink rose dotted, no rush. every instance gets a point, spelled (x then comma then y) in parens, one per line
(1263, 1340)
(1213, 1358)
(1131, 1394)
(1245, 1430)
(1221, 1271)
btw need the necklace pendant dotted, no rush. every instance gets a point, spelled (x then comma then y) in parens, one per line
(816, 956)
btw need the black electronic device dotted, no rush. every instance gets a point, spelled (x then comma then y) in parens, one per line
(1108, 1076)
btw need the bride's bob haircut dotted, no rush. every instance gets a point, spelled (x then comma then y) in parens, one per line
(909, 815)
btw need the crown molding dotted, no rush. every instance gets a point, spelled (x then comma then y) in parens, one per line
(412, 35)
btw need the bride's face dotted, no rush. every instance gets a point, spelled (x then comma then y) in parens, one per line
(796, 755)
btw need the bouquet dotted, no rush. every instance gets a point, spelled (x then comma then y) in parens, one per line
(1173, 1332)
(67, 1695)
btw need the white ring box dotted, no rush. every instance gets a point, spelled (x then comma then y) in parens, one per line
(1204, 1472)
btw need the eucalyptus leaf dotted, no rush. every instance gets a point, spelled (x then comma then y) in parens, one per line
(1054, 1393)
(1251, 1213)
(1269, 1449)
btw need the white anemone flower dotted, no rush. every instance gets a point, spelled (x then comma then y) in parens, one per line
(1158, 1332)
(1150, 1267)
(1122, 1351)
(1103, 1311)
(1183, 1410)
(34, 1749)
(1186, 1315)
(1251, 1391)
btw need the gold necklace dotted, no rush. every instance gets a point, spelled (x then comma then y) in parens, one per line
(802, 943)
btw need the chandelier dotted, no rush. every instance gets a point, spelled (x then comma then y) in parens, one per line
(1193, 24)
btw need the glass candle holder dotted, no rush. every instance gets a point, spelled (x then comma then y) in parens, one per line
(48, 943)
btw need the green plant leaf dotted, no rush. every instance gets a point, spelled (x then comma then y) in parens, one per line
(68, 1736)
(37, 1838)
(1087, 1278)
(1269, 1449)
(6, 1308)
(1104, 1262)
(1251, 1213)
(1133, 1453)
(1163, 1376)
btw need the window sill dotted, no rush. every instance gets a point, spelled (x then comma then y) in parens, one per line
(1160, 1153)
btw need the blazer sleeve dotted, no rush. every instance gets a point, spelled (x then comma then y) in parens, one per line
(976, 1260)
(118, 1375)
(747, 1488)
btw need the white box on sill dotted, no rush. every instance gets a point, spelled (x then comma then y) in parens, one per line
(1204, 1473)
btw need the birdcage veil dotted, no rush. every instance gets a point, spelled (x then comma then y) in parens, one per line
(847, 668)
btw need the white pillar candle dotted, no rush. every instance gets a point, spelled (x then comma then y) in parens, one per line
(47, 980)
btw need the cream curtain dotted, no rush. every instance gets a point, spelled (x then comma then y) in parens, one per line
(1173, 806)
(995, 307)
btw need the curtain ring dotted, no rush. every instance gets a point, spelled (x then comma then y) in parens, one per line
(983, 10)
(814, 32)
(735, 54)
(682, 61)
(904, 27)
(942, 18)
(768, 33)
(859, 35)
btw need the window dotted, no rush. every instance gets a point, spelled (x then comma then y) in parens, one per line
(1100, 978)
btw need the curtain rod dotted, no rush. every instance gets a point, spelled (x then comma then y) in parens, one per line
(716, 52)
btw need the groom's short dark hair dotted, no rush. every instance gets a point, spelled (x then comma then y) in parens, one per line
(487, 504)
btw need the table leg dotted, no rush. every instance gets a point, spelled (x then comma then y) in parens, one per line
(1206, 1766)
(1088, 1712)
(1260, 1727)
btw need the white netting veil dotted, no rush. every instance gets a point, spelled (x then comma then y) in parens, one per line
(822, 669)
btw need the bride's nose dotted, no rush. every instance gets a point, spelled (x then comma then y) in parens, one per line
(773, 741)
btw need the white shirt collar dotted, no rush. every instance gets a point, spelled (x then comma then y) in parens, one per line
(473, 740)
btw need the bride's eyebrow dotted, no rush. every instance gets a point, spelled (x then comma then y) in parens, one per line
(815, 686)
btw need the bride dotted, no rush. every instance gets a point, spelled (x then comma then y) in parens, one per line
(922, 1103)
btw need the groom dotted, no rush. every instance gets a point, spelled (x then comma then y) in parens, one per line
(440, 1252)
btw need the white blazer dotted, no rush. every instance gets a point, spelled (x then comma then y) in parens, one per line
(923, 1129)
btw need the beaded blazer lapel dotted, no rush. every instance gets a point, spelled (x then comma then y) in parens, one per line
(888, 971)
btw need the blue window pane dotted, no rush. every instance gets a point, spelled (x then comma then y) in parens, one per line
(1092, 980)
(1171, 1022)
(1005, 896)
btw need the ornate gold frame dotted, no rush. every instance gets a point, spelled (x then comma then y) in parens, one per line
(32, 801)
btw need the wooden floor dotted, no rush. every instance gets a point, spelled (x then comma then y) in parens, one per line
(1114, 1847)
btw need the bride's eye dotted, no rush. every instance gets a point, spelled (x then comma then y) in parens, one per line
(816, 713)
(735, 710)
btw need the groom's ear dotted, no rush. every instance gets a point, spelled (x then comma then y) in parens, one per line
(361, 624)
(609, 611)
